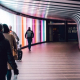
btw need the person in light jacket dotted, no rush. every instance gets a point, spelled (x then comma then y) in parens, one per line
(14, 34)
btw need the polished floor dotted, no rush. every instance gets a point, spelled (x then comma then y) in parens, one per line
(50, 61)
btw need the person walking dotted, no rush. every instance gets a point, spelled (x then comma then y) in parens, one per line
(14, 34)
(29, 35)
(13, 46)
(6, 56)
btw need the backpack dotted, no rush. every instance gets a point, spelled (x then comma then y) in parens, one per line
(29, 33)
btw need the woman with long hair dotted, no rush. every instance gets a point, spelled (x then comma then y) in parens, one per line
(13, 45)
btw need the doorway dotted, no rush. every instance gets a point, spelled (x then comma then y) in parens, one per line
(57, 33)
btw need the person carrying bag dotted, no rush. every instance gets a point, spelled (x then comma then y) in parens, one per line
(13, 46)
(15, 54)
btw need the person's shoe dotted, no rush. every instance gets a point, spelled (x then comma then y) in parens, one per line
(29, 50)
(20, 60)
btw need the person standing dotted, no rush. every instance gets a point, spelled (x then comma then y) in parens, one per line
(6, 56)
(29, 35)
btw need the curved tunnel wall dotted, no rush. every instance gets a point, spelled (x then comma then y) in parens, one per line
(20, 25)
(76, 18)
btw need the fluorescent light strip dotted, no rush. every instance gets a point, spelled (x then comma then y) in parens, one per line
(72, 23)
(41, 30)
(30, 23)
(22, 31)
(45, 30)
(19, 28)
(37, 30)
(14, 23)
(21, 24)
(26, 28)
(56, 23)
(33, 29)
(24, 23)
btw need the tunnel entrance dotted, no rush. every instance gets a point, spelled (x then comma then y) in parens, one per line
(57, 33)
(62, 32)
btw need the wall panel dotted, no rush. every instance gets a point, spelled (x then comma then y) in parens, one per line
(20, 25)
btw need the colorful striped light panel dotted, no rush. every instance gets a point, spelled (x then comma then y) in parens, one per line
(20, 25)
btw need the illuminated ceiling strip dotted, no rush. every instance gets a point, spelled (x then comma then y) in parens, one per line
(52, 2)
(47, 10)
(72, 23)
(56, 23)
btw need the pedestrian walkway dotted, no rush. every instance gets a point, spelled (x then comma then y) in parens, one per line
(50, 61)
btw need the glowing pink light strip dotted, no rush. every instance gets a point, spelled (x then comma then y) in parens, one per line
(33, 27)
(26, 28)
(41, 30)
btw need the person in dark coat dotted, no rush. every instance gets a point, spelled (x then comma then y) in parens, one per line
(6, 56)
(13, 46)
(29, 35)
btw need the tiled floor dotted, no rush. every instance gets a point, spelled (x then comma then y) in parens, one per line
(50, 61)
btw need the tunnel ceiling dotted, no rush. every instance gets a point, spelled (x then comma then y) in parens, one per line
(44, 8)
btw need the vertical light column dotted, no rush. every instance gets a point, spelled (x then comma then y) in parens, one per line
(33, 28)
(22, 32)
(35, 31)
(26, 28)
(24, 25)
(19, 28)
(41, 30)
(45, 30)
(30, 23)
(14, 28)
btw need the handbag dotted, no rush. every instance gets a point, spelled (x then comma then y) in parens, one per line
(15, 55)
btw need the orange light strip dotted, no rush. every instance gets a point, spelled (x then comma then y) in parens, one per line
(22, 32)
